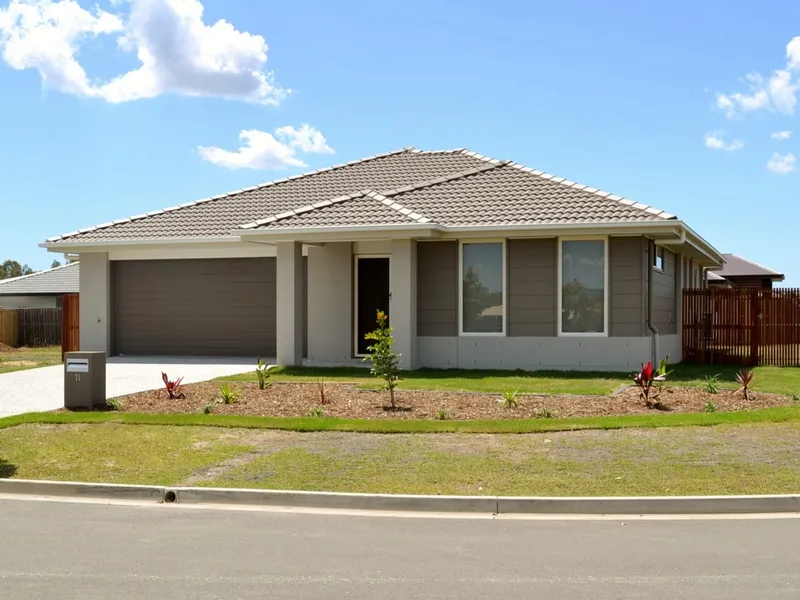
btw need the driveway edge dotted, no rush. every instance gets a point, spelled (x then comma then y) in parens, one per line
(499, 505)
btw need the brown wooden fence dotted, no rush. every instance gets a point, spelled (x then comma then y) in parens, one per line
(9, 328)
(70, 319)
(742, 326)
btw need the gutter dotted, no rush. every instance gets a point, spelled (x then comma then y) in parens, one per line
(651, 248)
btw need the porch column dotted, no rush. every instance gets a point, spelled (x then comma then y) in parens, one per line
(403, 300)
(94, 307)
(289, 329)
(330, 302)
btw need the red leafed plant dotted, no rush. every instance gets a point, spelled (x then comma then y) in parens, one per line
(745, 378)
(173, 387)
(649, 376)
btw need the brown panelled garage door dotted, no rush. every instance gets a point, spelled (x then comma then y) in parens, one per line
(208, 307)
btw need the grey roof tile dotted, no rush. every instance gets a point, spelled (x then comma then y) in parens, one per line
(448, 188)
(738, 266)
(61, 280)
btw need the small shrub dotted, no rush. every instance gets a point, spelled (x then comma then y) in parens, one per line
(229, 395)
(647, 377)
(442, 414)
(385, 362)
(322, 392)
(709, 407)
(544, 413)
(711, 383)
(263, 373)
(744, 378)
(796, 398)
(114, 404)
(174, 389)
(209, 408)
(510, 399)
(317, 412)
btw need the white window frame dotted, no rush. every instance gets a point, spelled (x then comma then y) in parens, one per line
(559, 292)
(659, 250)
(504, 267)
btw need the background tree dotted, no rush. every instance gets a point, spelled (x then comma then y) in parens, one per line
(55, 264)
(12, 268)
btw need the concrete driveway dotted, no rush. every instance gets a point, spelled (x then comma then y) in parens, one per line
(38, 390)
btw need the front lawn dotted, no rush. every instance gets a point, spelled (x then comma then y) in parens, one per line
(18, 359)
(527, 382)
(773, 380)
(728, 459)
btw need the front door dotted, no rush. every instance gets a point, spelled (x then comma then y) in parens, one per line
(372, 295)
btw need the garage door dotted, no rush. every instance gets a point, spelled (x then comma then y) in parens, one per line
(216, 307)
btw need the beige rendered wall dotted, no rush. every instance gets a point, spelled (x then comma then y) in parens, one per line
(95, 301)
(330, 319)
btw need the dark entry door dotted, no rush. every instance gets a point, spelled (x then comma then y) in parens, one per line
(372, 295)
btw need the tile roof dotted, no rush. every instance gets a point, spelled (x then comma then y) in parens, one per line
(61, 280)
(737, 266)
(448, 188)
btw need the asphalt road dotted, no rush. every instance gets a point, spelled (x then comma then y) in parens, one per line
(64, 551)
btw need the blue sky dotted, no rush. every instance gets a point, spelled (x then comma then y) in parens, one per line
(650, 100)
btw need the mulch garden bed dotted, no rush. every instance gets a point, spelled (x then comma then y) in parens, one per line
(345, 401)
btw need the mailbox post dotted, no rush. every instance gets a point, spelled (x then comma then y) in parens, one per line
(84, 379)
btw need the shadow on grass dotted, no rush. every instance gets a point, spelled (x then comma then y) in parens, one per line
(7, 469)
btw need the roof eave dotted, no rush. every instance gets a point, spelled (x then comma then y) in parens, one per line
(98, 245)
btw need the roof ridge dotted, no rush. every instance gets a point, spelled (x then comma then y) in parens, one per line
(606, 195)
(382, 197)
(43, 272)
(229, 194)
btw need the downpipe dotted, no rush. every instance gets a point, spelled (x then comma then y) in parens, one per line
(651, 250)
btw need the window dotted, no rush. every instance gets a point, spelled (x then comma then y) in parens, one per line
(658, 259)
(483, 288)
(583, 287)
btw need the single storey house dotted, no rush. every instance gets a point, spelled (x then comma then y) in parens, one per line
(739, 272)
(480, 263)
(42, 289)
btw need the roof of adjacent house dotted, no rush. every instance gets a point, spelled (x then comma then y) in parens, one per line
(737, 266)
(60, 280)
(711, 276)
(448, 188)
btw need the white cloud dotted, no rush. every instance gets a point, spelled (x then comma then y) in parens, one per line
(782, 164)
(781, 135)
(45, 35)
(263, 150)
(777, 93)
(715, 142)
(178, 52)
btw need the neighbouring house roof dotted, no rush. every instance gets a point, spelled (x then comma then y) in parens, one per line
(737, 266)
(447, 188)
(714, 277)
(60, 280)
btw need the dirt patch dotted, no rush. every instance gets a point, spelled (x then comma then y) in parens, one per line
(5, 348)
(345, 401)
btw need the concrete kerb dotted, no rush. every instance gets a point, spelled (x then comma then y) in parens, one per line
(502, 505)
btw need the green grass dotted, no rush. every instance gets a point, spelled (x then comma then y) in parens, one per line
(511, 426)
(111, 452)
(729, 459)
(41, 357)
(490, 381)
(773, 380)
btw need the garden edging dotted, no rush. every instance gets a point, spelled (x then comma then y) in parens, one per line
(497, 505)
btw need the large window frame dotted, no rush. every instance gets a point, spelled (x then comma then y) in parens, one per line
(504, 267)
(606, 282)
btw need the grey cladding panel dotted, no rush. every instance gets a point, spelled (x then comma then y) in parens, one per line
(532, 284)
(437, 289)
(627, 257)
(665, 296)
(217, 307)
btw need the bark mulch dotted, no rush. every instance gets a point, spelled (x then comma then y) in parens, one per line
(345, 401)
